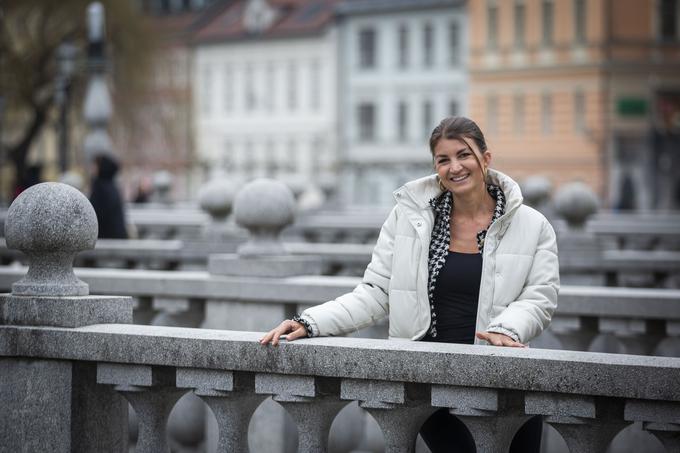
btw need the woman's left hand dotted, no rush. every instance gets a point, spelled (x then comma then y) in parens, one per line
(498, 339)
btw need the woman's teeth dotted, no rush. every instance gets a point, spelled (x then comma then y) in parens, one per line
(459, 178)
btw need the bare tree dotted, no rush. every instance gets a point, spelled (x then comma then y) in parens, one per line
(31, 31)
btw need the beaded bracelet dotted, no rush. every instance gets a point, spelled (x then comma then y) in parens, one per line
(305, 324)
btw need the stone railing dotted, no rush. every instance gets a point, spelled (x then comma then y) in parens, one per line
(588, 398)
(70, 360)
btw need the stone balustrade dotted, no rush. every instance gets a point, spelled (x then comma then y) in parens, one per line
(587, 397)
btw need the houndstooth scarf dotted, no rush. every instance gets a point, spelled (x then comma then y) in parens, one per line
(441, 239)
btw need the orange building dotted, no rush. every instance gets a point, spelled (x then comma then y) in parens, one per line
(582, 90)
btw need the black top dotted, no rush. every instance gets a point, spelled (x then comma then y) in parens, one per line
(456, 296)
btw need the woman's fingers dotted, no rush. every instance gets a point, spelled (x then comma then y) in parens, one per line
(499, 339)
(293, 329)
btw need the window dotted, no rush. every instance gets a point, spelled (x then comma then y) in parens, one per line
(454, 108)
(546, 113)
(668, 20)
(291, 158)
(270, 96)
(292, 86)
(520, 20)
(548, 22)
(315, 85)
(454, 43)
(580, 21)
(491, 24)
(428, 45)
(228, 88)
(403, 46)
(366, 126)
(367, 48)
(579, 112)
(207, 90)
(402, 121)
(250, 100)
(228, 157)
(428, 118)
(518, 113)
(492, 113)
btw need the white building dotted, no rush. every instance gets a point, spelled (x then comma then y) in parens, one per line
(403, 69)
(265, 87)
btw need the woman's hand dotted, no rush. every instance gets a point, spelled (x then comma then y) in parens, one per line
(293, 329)
(499, 339)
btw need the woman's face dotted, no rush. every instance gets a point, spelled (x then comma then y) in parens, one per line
(458, 168)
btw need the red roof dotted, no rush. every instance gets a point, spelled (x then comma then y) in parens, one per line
(296, 17)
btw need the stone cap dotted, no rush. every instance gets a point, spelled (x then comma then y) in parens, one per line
(51, 223)
(575, 202)
(264, 207)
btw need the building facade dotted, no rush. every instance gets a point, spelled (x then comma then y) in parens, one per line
(581, 90)
(402, 69)
(265, 92)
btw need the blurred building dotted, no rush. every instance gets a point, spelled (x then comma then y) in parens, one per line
(265, 92)
(402, 69)
(578, 89)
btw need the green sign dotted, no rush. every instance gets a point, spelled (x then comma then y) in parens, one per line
(631, 107)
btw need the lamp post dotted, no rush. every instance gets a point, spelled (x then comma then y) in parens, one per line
(66, 55)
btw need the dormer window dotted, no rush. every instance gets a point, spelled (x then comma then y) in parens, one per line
(258, 16)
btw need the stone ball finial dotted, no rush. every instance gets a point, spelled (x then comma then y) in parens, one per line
(216, 197)
(575, 202)
(50, 223)
(264, 207)
(536, 190)
(162, 183)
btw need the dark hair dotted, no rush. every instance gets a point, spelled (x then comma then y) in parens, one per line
(458, 128)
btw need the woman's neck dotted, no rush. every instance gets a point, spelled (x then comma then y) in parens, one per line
(473, 204)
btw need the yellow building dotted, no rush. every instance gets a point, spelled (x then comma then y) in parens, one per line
(582, 90)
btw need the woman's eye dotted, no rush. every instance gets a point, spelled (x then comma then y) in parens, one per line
(464, 155)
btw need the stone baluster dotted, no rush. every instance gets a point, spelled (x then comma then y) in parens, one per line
(232, 398)
(670, 345)
(661, 418)
(587, 424)
(312, 402)
(574, 332)
(152, 393)
(638, 336)
(56, 405)
(399, 409)
(492, 416)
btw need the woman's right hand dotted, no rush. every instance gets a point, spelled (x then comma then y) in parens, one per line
(292, 329)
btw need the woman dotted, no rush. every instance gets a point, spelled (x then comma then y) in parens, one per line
(460, 259)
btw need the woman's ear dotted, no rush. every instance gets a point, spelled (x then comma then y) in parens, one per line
(487, 158)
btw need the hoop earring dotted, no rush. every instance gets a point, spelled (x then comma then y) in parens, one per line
(441, 186)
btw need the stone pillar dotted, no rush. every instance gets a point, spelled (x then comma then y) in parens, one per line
(216, 198)
(152, 392)
(312, 402)
(264, 207)
(56, 404)
(400, 410)
(587, 424)
(492, 416)
(661, 418)
(575, 333)
(232, 398)
(580, 251)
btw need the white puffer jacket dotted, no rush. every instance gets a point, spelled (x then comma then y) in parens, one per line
(520, 272)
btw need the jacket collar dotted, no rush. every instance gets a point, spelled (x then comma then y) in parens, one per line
(417, 194)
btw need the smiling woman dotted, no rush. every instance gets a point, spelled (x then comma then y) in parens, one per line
(438, 270)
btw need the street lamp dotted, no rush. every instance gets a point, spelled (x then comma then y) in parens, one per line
(66, 57)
